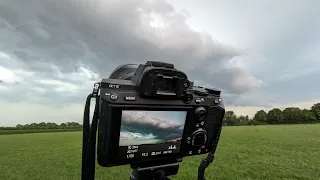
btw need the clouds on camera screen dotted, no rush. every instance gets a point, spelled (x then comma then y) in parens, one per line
(158, 125)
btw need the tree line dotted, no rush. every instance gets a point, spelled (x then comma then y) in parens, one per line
(290, 115)
(43, 125)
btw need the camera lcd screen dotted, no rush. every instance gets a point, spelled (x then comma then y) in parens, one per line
(151, 127)
(149, 133)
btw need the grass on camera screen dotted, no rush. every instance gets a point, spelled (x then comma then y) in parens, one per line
(151, 127)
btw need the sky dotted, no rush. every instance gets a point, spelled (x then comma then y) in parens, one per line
(261, 54)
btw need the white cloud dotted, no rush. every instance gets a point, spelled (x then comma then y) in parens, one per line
(83, 74)
(306, 104)
(245, 110)
(26, 113)
(4, 56)
(296, 73)
(39, 90)
(73, 82)
(8, 76)
(13, 76)
(60, 86)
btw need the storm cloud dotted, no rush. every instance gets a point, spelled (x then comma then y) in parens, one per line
(54, 39)
(259, 53)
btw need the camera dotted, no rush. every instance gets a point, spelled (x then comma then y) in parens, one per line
(154, 113)
(151, 114)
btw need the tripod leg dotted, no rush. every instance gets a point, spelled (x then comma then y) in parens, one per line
(160, 175)
(133, 175)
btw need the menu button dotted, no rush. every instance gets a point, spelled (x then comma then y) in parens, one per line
(129, 98)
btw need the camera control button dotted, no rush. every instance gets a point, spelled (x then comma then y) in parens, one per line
(129, 98)
(189, 140)
(201, 113)
(217, 100)
(198, 100)
(114, 96)
(186, 84)
(188, 99)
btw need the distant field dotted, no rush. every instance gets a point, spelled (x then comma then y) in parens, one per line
(29, 131)
(247, 152)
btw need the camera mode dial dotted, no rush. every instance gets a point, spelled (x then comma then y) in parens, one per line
(199, 138)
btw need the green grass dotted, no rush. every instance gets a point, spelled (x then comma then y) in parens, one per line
(250, 152)
(28, 131)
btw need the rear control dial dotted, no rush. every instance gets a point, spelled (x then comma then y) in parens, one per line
(199, 138)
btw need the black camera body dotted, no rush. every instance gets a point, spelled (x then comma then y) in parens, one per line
(153, 112)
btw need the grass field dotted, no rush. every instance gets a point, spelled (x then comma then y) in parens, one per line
(251, 152)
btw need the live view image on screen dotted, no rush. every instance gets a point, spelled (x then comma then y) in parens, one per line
(151, 127)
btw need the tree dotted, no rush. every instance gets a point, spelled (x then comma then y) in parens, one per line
(247, 119)
(275, 116)
(33, 125)
(230, 118)
(316, 110)
(52, 125)
(292, 115)
(242, 120)
(42, 124)
(252, 122)
(63, 125)
(19, 126)
(308, 116)
(27, 126)
(260, 117)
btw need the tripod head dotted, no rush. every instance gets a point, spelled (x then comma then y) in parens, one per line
(154, 172)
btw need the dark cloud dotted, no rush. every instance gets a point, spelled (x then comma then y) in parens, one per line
(145, 125)
(285, 37)
(54, 40)
(50, 36)
(51, 52)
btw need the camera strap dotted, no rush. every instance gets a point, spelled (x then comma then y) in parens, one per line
(89, 137)
(207, 161)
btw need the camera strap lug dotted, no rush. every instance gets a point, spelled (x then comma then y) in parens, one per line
(95, 91)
